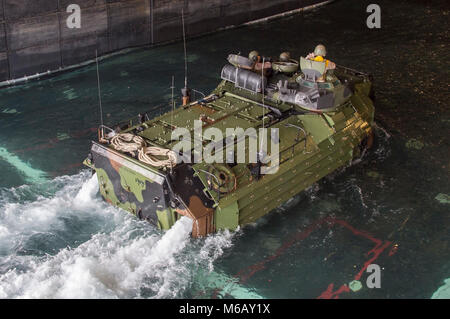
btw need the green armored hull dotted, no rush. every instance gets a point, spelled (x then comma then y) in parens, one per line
(199, 160)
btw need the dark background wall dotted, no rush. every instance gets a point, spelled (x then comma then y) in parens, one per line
(34, 36)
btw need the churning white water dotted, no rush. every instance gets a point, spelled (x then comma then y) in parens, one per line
(101, 251)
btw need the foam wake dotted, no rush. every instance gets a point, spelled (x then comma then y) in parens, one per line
(101, 251)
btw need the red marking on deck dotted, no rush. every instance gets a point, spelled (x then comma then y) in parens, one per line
(393, 251)
(329, 294)
(261, 265)
(375, 252)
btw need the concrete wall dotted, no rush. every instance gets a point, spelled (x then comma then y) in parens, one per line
(34, 36)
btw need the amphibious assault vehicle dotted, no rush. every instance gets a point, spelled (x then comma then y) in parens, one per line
(322, 119)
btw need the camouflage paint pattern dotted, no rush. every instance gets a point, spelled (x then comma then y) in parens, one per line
(125, 188)
(328, 140)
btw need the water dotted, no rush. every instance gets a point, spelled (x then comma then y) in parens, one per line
(58, 239)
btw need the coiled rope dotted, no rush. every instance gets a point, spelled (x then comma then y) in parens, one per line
(130, 143)
(127, 143)
(148, 155)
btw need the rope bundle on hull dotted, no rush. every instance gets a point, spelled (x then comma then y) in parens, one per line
(135, 145)
(148, 155)
(128, 143)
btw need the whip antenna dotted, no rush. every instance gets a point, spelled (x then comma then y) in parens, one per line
(185, 53)
(185, 91)
(99, 96)
(173, 105)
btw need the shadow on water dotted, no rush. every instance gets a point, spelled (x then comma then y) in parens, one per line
(389, 208)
